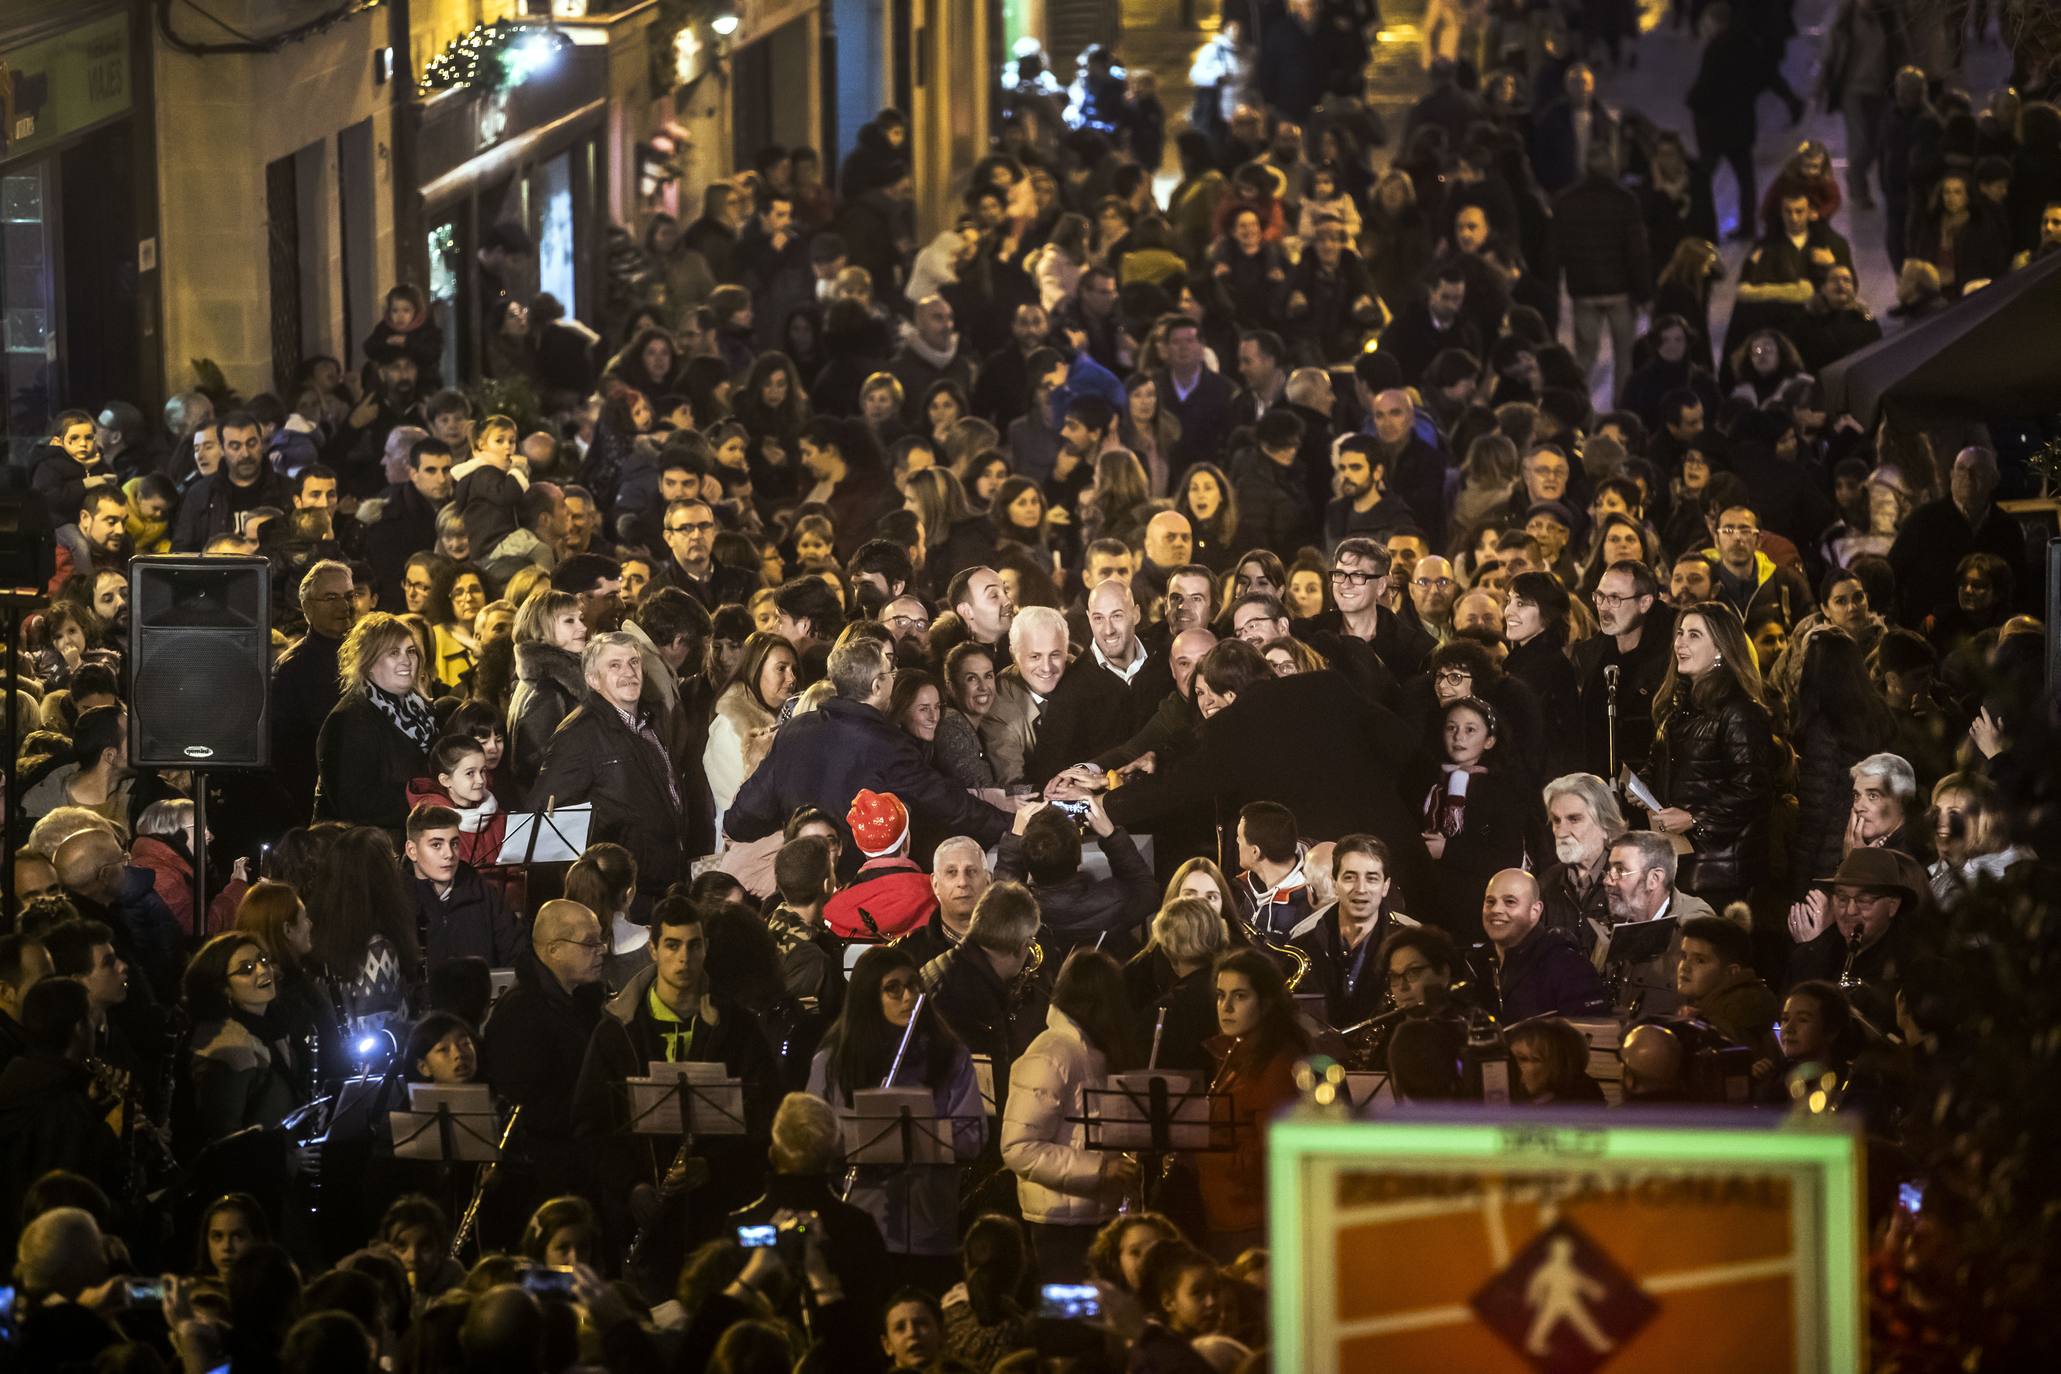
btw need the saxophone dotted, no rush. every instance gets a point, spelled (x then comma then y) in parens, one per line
(1297, 961)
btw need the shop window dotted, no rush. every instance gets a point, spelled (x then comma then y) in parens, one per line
(444, 261)
(28, 309)
(557, 264)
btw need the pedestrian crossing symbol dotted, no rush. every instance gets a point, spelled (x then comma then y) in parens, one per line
(1563, 1304)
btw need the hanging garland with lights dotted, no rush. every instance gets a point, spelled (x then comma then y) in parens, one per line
(492, 56)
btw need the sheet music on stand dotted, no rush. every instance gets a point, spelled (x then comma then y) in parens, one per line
(557, 836)
(896, 1127)
(1157, 1111)
(447, 1125)
(689, 1097)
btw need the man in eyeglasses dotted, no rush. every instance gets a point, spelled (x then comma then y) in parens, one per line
(690, 532)
(536, 1039)
(1371, 644)
(1432, 590)
(1853, 928)
(304, 682)
(1624, 662)
(1748, 580)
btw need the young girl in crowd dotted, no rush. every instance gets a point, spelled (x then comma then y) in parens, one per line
(463, 781)
(1474, 818)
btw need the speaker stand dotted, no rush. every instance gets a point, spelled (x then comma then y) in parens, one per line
(200, 856)
(15, 602)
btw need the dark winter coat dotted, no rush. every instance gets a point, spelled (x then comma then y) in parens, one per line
(532, 1047)
(1083, 907)
(1310, 742)
(205, 511)
(1600, 238)
(304, 691)
(638, 799)
(827, 756)
(471, 921)
(406, 526)
(1542, 664)
(1273, 505)
(364, 766)
(548, 687)
(1544, 975)
(1717, 762)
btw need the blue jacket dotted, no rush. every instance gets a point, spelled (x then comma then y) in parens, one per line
(825, 758)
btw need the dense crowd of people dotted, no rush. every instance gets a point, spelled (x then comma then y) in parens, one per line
(1122, 634)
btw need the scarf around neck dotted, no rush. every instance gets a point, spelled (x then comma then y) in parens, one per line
(410, 715)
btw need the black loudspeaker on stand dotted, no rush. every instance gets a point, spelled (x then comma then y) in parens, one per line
(200, 638)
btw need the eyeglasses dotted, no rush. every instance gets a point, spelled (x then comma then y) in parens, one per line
(1738, 531)
(1400, 980)
(1603, 598)
(1431, 582)
(1618, 872)
(412, 585)
(1352, 577)
(1453, 677)
(250, 966)
(907, 622)
(697, 527)
(331, 598)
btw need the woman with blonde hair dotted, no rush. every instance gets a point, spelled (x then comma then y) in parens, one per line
(377, 737)
(549, 636)
(1171, 976)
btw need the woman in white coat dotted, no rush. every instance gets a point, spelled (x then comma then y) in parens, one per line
(1066, 1190)
(741, 731)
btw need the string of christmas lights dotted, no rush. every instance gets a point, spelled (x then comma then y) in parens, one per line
(503, 53)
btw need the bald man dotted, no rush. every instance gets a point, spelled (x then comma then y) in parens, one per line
(97, 876)
(1527, 968)
(1117, 650)
(1654, 1058)
(1433, 586)
(1416, 473)
(536, 1038)
(1169, 542)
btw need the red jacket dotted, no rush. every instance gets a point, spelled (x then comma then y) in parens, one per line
(477, 847)
(1234, 1183)
(172, 877)
(893, 893)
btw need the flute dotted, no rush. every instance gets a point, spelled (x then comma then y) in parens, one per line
(479, 1187)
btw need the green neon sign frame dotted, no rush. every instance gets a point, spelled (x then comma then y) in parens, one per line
(1826, 1150)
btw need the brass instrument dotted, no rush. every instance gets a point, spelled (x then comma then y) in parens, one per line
(479, 1187)
(1294, 956)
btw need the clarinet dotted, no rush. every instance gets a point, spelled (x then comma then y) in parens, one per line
(479, 1188)
(851, 1177)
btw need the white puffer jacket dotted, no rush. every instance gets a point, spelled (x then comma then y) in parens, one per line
(1057, 1181)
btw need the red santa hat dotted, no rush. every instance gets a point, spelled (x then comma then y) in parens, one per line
(880, 823)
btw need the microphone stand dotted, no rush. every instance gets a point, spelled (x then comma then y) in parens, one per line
(1610, 671)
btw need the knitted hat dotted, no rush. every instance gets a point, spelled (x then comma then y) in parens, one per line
(879, 822)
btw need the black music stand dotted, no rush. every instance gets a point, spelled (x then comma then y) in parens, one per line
(899, 1129)
(447, 1127)
(526, 827)
(1154, 1114)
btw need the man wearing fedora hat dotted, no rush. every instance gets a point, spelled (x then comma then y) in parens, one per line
(1860, 929)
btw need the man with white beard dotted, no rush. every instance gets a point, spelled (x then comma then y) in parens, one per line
(1585, 818)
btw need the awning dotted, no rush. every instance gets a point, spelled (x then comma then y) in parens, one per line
(1995, 353)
